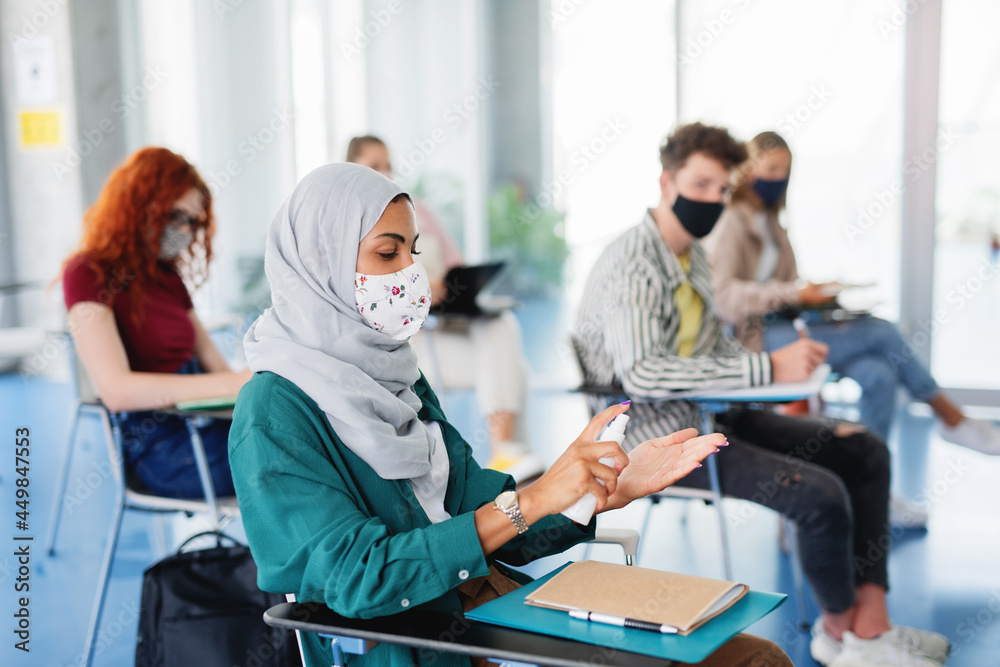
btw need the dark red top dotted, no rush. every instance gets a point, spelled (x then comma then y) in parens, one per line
(164, 339)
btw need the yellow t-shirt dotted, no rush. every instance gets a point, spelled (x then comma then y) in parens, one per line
(690, 309)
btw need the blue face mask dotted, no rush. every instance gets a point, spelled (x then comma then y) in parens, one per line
(770, 192)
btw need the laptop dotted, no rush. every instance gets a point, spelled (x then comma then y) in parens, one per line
(465, 285)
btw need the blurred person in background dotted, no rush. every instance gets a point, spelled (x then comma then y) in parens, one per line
(754, 273)
(133, 323)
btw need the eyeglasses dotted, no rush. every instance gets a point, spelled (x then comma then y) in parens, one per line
(181, 218)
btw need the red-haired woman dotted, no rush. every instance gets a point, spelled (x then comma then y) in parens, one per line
(133, 323)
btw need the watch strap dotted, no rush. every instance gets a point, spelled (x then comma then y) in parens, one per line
(514, 514)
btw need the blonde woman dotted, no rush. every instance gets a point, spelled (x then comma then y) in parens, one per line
(754, 273)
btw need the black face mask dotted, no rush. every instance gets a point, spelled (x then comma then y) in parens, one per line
(697, 217)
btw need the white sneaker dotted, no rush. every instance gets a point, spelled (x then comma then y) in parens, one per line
(887, 650)
(930, 645)
(514, 459)
(976, 434)
(823, 647)
(906, 514)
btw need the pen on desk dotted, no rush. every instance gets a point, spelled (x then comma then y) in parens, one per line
(800, 326)
(607, 619)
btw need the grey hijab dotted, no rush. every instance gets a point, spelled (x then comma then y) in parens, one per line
(313, 334)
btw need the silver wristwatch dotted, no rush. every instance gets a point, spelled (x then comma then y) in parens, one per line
(506, 502)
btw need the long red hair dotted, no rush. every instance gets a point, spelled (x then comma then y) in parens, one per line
(122, 230)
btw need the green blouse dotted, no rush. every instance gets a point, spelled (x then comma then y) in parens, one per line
(322, 525)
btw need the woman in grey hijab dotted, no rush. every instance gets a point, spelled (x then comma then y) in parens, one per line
(355, 490)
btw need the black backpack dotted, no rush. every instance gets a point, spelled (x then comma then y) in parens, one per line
(203, 607)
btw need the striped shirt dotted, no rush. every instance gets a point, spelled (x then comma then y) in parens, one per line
(626, 334)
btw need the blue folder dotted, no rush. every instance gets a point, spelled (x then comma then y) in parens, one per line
(511, 612)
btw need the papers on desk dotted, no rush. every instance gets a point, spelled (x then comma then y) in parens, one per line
(680, 601)
(859, 300)
(779, 392)
(217, 403)
(833, 289)
(511, 611)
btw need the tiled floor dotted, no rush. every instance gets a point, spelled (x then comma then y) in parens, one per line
(947, 579)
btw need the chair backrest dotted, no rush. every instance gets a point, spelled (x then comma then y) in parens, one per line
(86, 392)
(599, 396)
(139, 496)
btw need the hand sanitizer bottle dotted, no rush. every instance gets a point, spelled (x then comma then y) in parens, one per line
(582, 510)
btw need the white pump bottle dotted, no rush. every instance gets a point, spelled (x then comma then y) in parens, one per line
(582, 510)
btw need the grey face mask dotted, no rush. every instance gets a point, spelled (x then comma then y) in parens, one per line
(174, 241)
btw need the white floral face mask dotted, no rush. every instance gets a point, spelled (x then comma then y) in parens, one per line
(395, 303)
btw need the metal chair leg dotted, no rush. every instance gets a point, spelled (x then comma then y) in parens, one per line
(57, 501)
(201, 461)
(713, 476)
(102, 580)
(713, 473)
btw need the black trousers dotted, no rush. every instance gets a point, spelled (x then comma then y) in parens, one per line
(835, 489)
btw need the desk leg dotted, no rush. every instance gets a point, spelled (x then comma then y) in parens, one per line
(713, 476)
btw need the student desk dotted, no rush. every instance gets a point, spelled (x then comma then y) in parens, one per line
(440, 631)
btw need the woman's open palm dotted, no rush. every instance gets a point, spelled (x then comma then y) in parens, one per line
(656, 464)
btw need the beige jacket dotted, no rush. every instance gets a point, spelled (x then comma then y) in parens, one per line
(734, 249)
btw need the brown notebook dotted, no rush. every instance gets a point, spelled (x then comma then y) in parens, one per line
(679, 600)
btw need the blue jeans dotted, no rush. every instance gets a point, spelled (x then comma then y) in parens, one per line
(158, 453)
(871, 352)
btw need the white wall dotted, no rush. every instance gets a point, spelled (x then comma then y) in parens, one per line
(228, 109)
(45, 207)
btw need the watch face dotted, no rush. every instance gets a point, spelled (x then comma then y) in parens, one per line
(506, 500)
